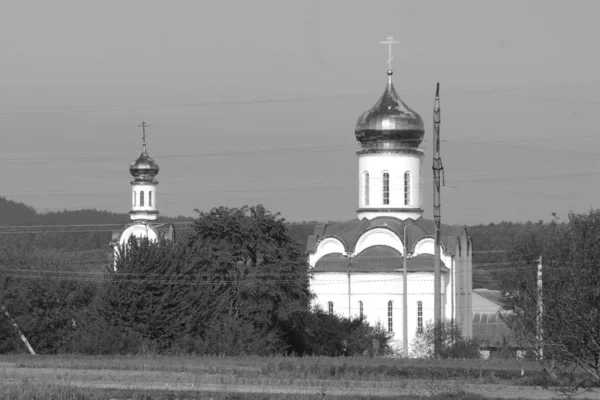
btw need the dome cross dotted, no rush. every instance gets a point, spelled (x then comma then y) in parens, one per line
(143, 125)
(390, 41)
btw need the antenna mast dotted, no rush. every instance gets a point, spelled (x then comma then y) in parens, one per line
(438, 171)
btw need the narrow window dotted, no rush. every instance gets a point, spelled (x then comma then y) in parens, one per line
(366, 188)
(142, 198)
(419, 317)
(330, 306)
(406, 188)
(386, 188)
(390, 316)
(150, 198)
(360, 308)
(134, 197)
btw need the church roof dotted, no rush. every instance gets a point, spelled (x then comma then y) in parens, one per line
(390, 121)
(350, 231)
(376, 259)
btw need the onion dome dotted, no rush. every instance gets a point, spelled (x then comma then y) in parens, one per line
(144, 169)
(390, 122)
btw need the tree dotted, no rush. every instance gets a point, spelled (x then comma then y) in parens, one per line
(233, 287)
(46, 294)
(453, 344)
(258, 269)
(568, 344)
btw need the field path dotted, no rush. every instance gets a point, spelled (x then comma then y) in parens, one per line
(186, 381)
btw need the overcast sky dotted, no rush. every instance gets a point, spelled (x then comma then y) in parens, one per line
(256, 101)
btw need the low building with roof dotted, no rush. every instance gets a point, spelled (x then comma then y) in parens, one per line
(357, 266)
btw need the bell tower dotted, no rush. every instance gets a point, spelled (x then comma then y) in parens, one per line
(143, 186)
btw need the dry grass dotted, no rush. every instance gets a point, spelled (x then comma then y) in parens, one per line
(318, 368)
(96, 377)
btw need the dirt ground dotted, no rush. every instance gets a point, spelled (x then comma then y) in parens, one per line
(157, 380)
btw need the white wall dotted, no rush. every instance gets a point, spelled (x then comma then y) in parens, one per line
(145, 211)
(396, 164)
(375, 290)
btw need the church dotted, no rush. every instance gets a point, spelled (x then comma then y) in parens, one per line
(144, 211)
(357, 266)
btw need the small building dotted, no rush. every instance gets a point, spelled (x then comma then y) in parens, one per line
(144, 211)
(492, 334)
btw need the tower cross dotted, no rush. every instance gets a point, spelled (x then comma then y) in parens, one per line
(390, 41)
(143, 125)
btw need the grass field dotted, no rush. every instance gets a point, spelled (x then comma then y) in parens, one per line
(156, 377)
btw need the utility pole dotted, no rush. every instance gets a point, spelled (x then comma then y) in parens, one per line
(437, 217)
(16, 327)
(540, 310)
(405, 297)
(349, 286)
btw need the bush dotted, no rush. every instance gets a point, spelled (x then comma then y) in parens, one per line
(453, 345)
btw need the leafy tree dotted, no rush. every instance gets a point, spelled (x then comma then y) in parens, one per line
(231, 288)
(569, 344)
(259, 270)
(45, 293)
(453, 344)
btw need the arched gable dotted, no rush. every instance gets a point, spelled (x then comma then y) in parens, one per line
(327, 245)
(426, 245)
(379, 237)
(139, 231)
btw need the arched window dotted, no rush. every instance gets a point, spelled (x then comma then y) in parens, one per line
(150, 198)
(134, 198)
(366, 188)
(142, 198)
(386, 188)
(390, 316)
(330, 307)
(406, 188)
(360, 308)
(419, 317)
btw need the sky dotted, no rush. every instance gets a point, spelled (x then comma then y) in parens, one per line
(255, 102)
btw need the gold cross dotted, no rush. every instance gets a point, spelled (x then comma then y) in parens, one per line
(390, 41)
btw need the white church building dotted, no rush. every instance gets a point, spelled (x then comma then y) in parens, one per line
(144, 210)
(357, 266)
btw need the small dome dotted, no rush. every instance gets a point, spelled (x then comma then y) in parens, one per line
(144, 168)
(390, 121)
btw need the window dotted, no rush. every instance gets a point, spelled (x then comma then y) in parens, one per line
(406, 188)
(134, 197)
(419, 317)
(150, 198)
(366, 188)
(386, 188)
(142, 198)
(360, 308)
(390, 316)
(330, 307)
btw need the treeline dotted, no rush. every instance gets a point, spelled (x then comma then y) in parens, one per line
(237, 284)
(91, 242)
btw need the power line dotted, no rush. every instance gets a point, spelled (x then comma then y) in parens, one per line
(104, 108)
(288, 149)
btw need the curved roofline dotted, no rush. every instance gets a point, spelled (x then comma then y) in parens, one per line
(428, 237)
(327, 237)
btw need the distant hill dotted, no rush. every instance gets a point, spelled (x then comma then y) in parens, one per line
(73, 231)
(22, 226)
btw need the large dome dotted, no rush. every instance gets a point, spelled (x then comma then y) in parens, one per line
(390, 122)
(144, 168)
